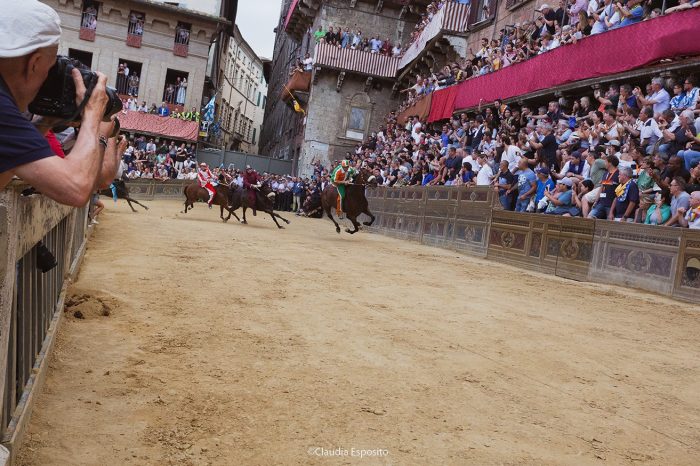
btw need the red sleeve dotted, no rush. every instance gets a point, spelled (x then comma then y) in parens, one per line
(54, 144)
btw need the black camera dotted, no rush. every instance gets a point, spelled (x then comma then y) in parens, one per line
(56, 98)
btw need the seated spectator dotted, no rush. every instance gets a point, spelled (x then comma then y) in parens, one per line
(580, 205)
(690, 217)
(560, 200)
(660, 211)
(544, 183)
(679, 200)
(626, 198)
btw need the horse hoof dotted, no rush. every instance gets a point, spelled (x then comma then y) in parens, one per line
(337, 230)
(347, 230)
(287, 222)
(367, 223)
(244, 222)
(281, 227)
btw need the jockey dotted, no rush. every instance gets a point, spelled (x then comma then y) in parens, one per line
(205, 178)
(341, 176)
(251, 183)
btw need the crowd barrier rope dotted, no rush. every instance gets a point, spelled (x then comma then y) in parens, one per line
(664, 260)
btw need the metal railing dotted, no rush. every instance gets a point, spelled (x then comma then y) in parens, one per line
(31, 300)
(665, 260)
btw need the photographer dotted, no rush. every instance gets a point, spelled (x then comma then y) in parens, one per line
(29, 36)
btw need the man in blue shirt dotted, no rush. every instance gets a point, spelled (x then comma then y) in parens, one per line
(163, 110)
(29, 36)
(527, 185)
(631, 13)
(544, 183)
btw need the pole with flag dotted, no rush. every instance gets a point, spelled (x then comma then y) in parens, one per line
(297, 107)
(208, 111)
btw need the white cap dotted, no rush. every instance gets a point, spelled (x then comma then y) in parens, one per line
(26, 26)
(544, 6)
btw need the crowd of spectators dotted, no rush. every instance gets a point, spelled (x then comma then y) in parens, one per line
(552, 27)
(622, 153)
(164, 110)
(353, 39)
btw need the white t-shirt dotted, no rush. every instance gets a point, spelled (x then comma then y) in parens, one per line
(649, 130)
(483, 178)
(512, 155)
(694, 224)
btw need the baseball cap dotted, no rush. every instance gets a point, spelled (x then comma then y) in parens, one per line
(543, 171)
(576, 154)
(566, 182)
(544, 6)
(613, 142)
(27, 26)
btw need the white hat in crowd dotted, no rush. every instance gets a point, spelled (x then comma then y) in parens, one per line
(26, 26)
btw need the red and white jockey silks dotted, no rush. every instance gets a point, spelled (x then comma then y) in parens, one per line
(205, 176)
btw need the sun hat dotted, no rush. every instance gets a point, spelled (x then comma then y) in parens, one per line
(27, 26)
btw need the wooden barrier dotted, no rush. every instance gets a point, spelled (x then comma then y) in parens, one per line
(31, 302)
(470, 220)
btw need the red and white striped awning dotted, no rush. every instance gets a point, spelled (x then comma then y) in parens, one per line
(372, 64)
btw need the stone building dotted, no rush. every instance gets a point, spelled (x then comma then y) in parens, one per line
(348, 93)
(159, 43)
(243, 97)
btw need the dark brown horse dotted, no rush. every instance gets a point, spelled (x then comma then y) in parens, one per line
(264, 202)
(194, 192)
(122, 193)
(355, 200)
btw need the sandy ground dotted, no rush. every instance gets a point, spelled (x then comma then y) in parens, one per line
(229, 344)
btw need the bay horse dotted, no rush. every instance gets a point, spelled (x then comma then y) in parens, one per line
(263, 202)
(355, 200)
(122, 193)
(194, 192)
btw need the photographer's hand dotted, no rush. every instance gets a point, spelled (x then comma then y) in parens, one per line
(97, 103)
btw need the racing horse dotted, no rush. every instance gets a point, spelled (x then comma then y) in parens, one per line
(355, 200)
(122, 193)
(194, 192)
(264, 201)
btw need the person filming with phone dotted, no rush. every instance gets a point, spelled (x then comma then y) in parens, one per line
(63, 92)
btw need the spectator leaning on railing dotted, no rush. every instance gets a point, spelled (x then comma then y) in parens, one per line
(29, 36)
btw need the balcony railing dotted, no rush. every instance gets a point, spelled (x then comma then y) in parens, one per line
(135, 33)
(182, 41)
(88, 25)
(372, 64)
(453, 17)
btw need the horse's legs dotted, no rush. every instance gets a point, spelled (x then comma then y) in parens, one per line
(244, 220)
(130, 200)
(231, 212)
(186, 205)
(354, 224)
(328, 212)
(222, 214)
(279, 216)
(274, 218)
(369, 214)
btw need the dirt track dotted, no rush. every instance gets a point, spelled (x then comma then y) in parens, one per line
(228, 344)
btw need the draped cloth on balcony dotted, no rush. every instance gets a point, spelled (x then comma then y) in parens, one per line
(616, 51)
(420, 108)
(160, 126)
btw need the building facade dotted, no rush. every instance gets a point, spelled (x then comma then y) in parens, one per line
(165, 46)
(349, 91)
(241, 108)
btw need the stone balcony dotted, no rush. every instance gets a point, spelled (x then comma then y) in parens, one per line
(442, 39)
